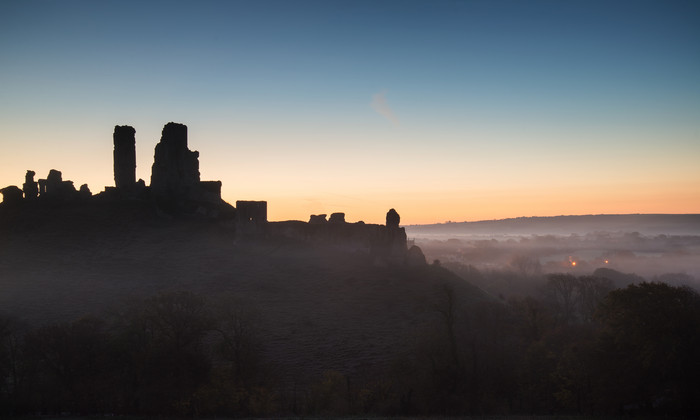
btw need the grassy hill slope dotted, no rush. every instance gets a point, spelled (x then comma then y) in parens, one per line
(318, 308)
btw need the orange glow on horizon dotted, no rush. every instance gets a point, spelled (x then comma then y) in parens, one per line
(297, 184)
(430, 207)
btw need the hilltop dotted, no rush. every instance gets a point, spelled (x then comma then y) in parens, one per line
(326, 294)
(320, 306)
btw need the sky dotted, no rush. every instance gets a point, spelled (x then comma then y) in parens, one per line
(444, 110)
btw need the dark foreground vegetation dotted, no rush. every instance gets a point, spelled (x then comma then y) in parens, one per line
(579, 348)
(121, 311)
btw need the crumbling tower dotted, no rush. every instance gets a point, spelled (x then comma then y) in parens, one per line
(175, 170)
(124, 156)
(396, 241)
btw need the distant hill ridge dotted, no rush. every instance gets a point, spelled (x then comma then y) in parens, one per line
(649, 224)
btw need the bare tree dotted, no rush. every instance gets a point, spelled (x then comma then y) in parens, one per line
(562, 290)
(526, 266)
(447, 313)
(592, 291)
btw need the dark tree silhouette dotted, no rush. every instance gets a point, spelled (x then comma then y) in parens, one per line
(650, 343)
(68, 366)
(591, 291)
(162, 354)
(12, 372)
(562, 291)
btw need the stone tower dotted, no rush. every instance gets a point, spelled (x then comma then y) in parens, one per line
(124, 156)
(175, 170)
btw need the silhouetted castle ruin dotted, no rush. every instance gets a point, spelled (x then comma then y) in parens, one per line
(176, 189)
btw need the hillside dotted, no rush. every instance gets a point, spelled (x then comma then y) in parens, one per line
(647, 224)
(127, 311)
(318, 308)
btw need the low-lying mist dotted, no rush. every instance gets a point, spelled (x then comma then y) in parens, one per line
(516, 264)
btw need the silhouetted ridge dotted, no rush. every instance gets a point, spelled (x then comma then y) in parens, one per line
(565, 225)
(176, 190)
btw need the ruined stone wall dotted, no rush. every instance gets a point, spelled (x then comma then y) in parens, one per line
(251, 217)
(385, 243)
(55, 187)
(210, 192)
(52, 188)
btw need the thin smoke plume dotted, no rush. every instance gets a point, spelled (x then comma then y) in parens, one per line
(380, 105)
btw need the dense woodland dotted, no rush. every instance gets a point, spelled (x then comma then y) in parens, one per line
(577, 347)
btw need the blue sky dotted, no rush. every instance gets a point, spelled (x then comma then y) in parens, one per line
(458, 110)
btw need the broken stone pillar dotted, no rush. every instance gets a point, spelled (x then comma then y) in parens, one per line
(396, 240)
(175, 170)
(31, 190)
(124, 156)
(392, 219)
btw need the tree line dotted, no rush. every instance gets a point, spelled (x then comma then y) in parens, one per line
(580, 347)
(169, 354)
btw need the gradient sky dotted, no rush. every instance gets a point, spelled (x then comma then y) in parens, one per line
(444, 110)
